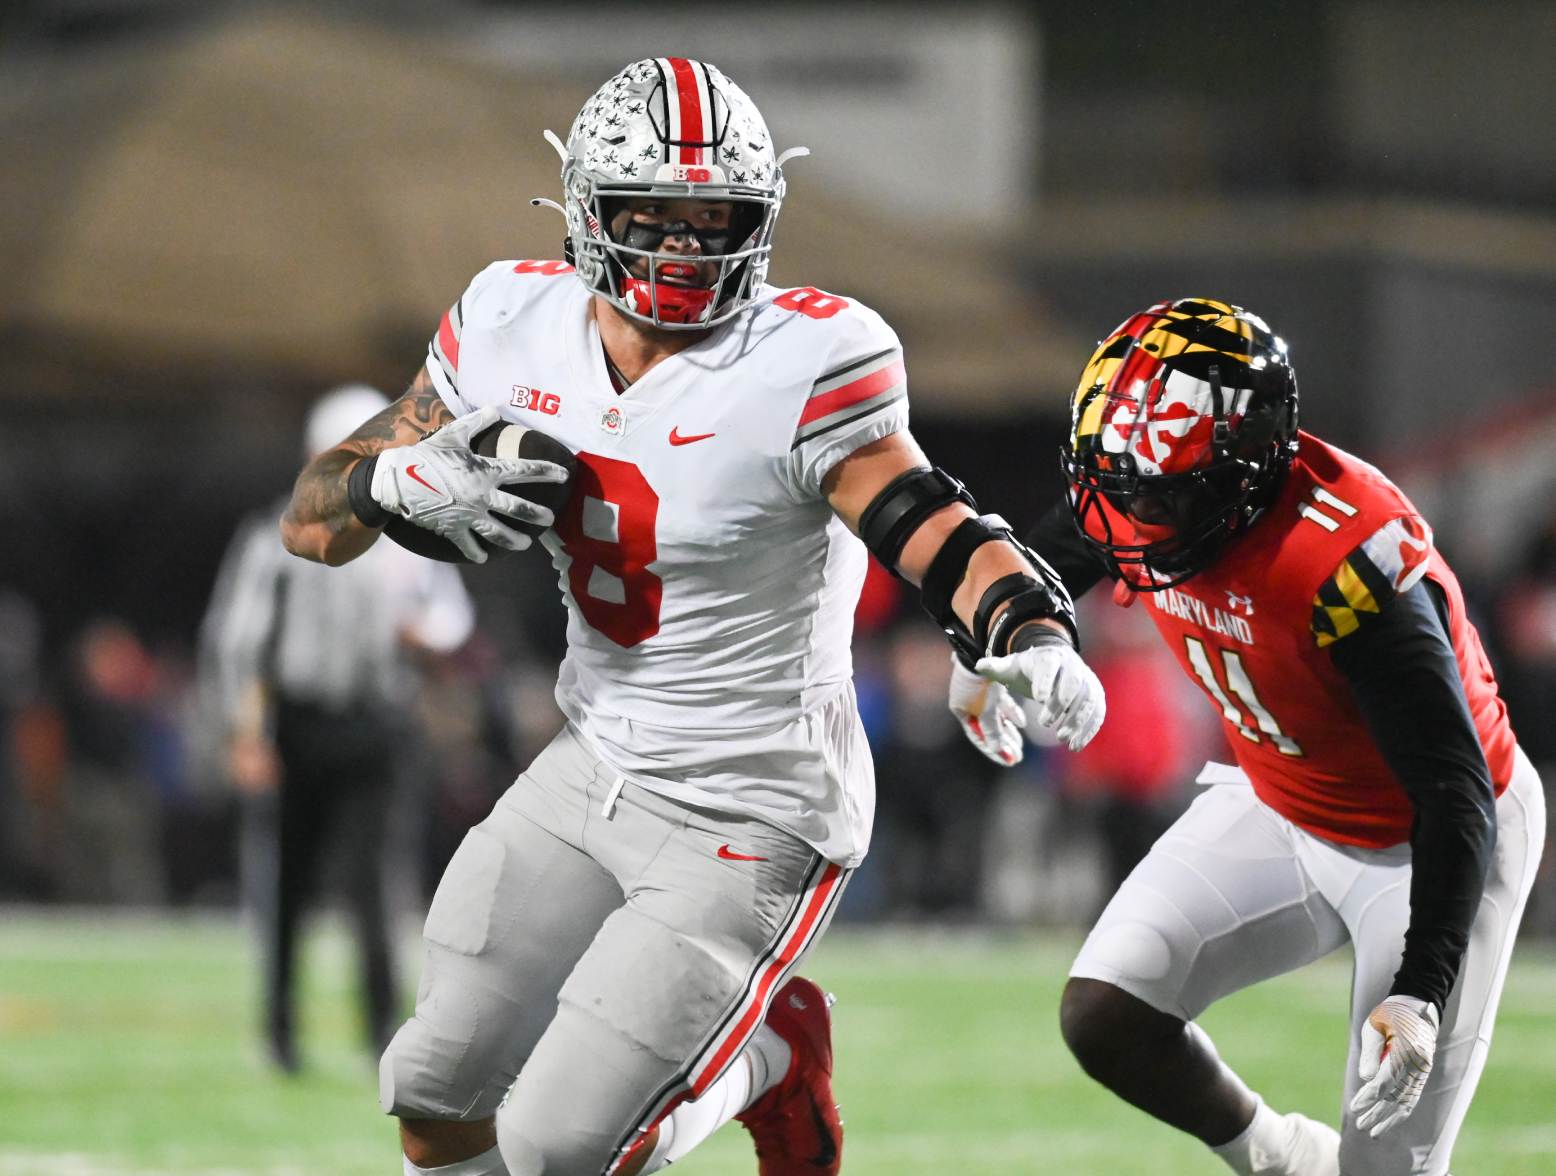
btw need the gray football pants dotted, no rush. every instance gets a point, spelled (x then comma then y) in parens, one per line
(602, 960)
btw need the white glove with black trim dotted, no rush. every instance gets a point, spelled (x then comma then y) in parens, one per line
(441, 484)
(1397, 1044)
(1069, 698)
(989, 716)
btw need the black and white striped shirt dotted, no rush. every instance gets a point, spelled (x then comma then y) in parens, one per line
(331, 637)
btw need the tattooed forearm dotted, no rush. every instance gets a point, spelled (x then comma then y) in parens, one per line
(319, 522)
(415, 415)
(320, 493)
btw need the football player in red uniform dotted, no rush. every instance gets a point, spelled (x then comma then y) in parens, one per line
(1379, 794)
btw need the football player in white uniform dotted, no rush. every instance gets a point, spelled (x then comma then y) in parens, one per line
(609, 954)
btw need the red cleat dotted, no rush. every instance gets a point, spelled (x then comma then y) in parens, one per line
(795, 1125)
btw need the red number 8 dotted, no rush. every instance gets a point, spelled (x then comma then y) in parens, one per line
(625, 558)
(811, 302)
(550, 268)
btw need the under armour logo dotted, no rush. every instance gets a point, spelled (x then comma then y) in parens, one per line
(1236, 602)
(796, 1001)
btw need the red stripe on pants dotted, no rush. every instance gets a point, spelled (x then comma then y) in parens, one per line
(785, 958)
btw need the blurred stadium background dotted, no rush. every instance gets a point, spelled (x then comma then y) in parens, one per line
(214, 211)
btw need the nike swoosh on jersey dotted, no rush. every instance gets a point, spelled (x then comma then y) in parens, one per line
(677, 439)
(729, 855)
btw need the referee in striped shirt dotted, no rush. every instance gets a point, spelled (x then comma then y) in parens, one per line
(308, 665)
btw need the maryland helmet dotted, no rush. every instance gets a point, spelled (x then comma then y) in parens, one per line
(1182, 428)
(675, 128)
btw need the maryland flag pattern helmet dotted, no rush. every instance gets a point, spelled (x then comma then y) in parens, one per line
(675, 128)
(1182, 427)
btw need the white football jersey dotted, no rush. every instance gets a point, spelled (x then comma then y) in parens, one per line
(710, 588)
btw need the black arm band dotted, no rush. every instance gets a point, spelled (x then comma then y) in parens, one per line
(359, 491)
(898, 510)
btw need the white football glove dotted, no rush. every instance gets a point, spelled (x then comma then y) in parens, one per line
(441, 484)
(989, 716)
(1397, 1045)
(1069, 697)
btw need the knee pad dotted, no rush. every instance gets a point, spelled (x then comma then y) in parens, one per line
(670, 1021)
(428, 1074)
(519, 1156)
(1137, 957)
(397, 1076)
(1133, 949)
(550, 1145)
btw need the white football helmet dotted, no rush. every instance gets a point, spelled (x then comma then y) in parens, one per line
(672, 127)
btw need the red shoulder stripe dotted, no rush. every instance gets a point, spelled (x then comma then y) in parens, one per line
(861, 389)
(449, 342)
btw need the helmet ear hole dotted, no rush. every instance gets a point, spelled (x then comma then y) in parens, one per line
(611, 207)
(745, 221)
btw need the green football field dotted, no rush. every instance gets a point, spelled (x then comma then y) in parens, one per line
(127, 1046)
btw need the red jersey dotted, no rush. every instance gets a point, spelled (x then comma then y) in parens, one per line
(1254, 628)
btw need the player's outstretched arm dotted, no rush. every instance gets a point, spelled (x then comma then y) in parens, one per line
(1010, 620)
(319, 523)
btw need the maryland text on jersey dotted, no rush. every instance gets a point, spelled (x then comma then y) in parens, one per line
(1188, 607)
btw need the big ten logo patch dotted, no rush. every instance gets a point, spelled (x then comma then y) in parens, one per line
(545, 403)
(679, 173)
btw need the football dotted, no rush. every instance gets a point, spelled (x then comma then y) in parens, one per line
(507, 441)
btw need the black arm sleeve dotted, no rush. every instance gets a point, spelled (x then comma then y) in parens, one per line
(1400, 665)
(1055, 538)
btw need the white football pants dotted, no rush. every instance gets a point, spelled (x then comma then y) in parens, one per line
(1234, 893)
